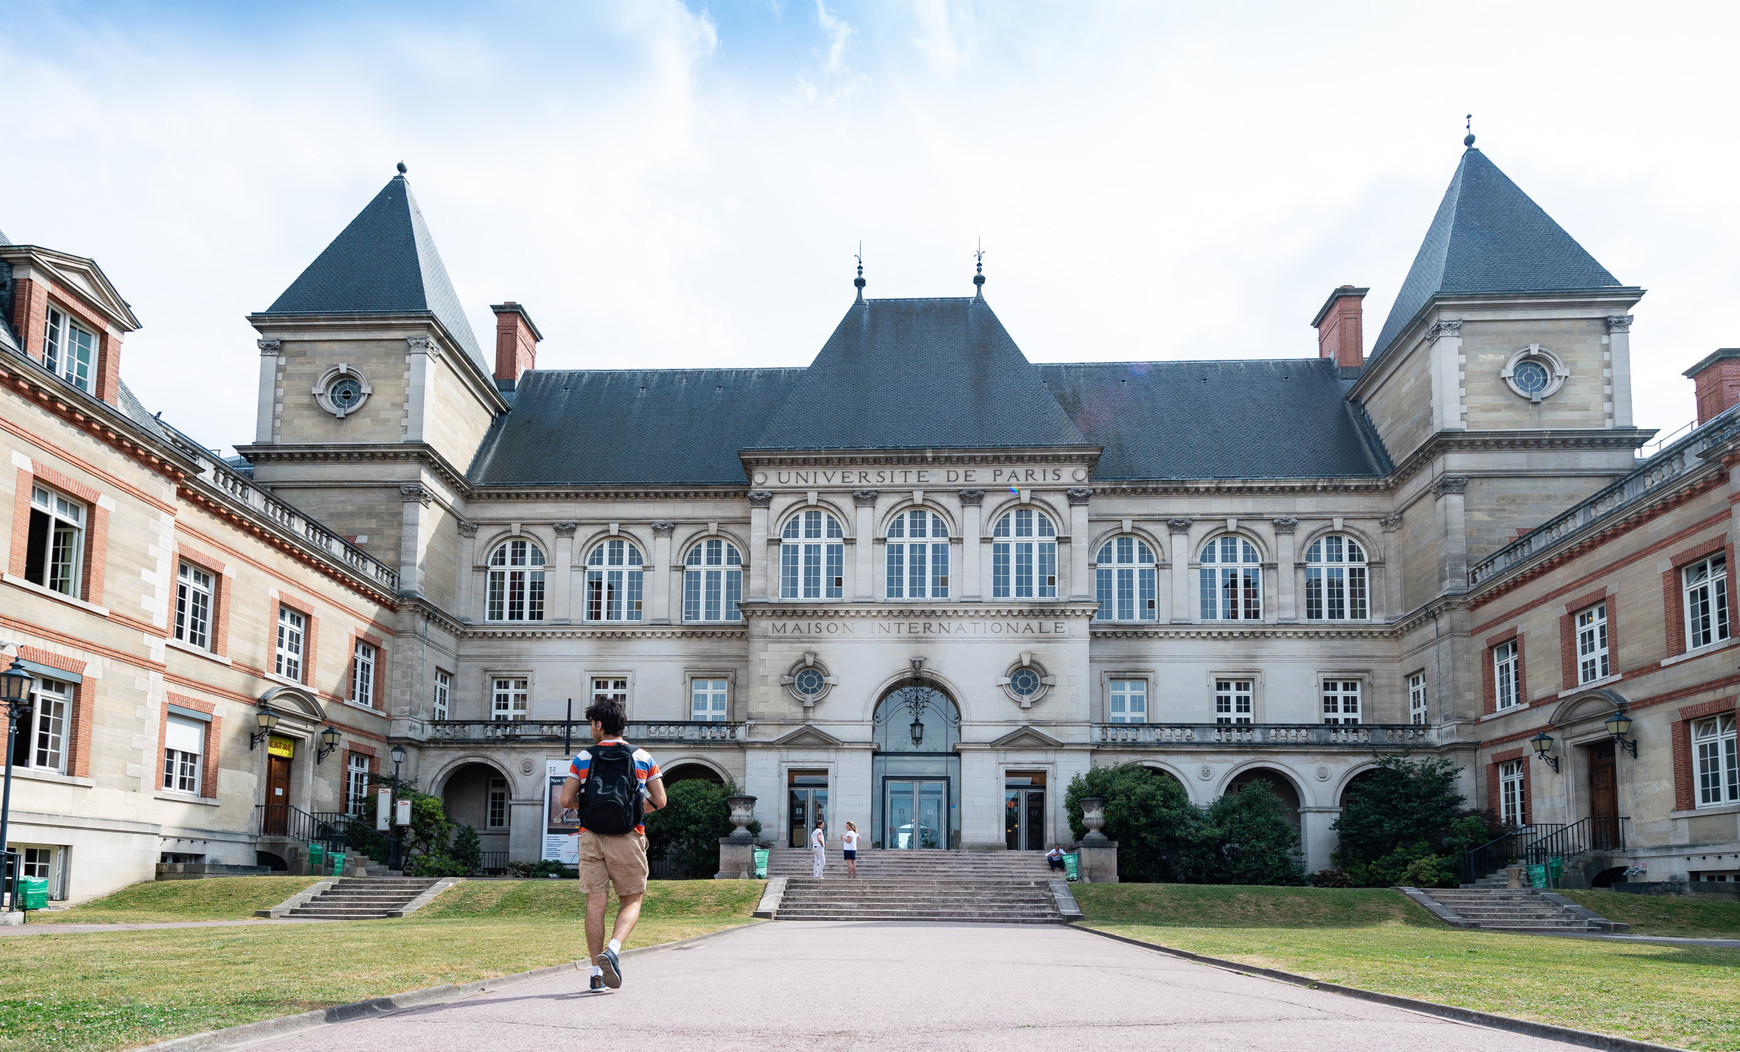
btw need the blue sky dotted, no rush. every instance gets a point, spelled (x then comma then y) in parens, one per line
(679, 185)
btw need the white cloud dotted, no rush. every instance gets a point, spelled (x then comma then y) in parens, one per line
(938, 26)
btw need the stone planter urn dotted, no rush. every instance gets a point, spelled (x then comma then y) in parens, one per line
(742, 813)
(1093, 815)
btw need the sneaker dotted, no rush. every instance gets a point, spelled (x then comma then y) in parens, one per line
(597, 984)
(612, 968)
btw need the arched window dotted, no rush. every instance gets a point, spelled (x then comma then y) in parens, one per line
(1232, 580)
(712, 582)
(918, 556)
(1024, 556)
(812, 557)
(1124, 581)
(613, 582)
(1335, 580)
(516, 582)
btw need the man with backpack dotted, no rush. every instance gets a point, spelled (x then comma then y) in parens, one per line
(611, 784)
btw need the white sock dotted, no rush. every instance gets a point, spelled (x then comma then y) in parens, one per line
(615, 946)
(597, 970)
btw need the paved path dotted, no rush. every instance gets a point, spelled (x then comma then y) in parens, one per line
(788, 986)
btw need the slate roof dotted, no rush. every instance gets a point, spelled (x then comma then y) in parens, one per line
(919, 374)
(634, 427)
(1218, 420)
(136, 412)
(1490, 237)
(384, 262)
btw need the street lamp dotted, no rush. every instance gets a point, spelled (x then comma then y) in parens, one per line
(398, 755)
(1543, 743)
(267, 720)
(329, 739)
(1617, 725)
(917, 730)
(15, 684)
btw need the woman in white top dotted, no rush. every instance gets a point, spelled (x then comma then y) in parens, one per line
(818, 847)
(849, 841)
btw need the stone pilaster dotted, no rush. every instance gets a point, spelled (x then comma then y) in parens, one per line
(1080, 580)
(1287, 571)
(972, 588)
(760, 553)
(1448, 492)
(1444, 351)
(1183, 609)
(1618, 378)
(559, 581)
(658, 580)
(864, 556)
(265, 411)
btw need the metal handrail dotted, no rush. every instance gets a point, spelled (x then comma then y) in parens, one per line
(1533, 845)
(12, 878)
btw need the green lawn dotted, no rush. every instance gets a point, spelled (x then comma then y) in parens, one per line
(112, 990)
(220, 898)
(1377, 940)
(1664, 914)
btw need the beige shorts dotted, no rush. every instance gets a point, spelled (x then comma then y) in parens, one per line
(607, 860)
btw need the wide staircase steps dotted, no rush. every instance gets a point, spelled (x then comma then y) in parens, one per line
(1000, 901)
(1518, 909)
(880, 864)
(363, 898)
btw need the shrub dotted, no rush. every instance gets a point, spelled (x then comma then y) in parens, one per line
(1403, 822)
(519, 869)
(1331, 878)
(1161, 835)
(686, 831)
(1256, 841)
(467, 850)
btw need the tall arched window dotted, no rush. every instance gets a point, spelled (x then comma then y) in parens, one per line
(613, 582)
(1124, 581)
(712, 582)
(1232, 580)
(812, 557)
(516, 582)
(1024, 556)
(918, 556)
(1335, 580)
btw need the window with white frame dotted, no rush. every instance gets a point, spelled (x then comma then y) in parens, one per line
(292, 631)
(1504, 674)
(438, 704)
(1024, 556)
(613, 581)
(1716, 755)
(54, 549)
(1231, 580)
(508, 700)
(38, 862)
(1512, 793)
(356, 783)
(515, 589)
(362, 674)
(43, 733)
(918, 556)
(496, 812)
(713, 582)
(1705, 584)
(1417, 699)
(1234, 700)
(1335, 580)
(1592, 659)
(707, 699)
(183, 747)
(193, 606)
(1124, 581)
(1127, 701)
(610, 688)
(812, 557)
(70, 350)
(1341, 700)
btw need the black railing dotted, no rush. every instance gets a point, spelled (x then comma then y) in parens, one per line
(494, 863)
(12, 878)
(332, 830)
(1534, 845)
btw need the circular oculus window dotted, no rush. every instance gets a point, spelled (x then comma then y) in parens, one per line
(1534, 373)
(1025, 682)
(342, 390)
(809, 683)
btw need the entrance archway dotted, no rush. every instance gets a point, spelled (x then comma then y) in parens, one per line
(915, 798)
(1278, 783)
(476, 794)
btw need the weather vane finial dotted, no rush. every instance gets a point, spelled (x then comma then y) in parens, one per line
(979, 268)
(858, 282)
(1468, 141)
(402, 168)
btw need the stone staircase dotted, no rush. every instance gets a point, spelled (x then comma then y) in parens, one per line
(877, 864)
(365, 898)
(1008, 887)
(1498, 908)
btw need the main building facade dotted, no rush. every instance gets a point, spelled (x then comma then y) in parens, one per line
(923, 582)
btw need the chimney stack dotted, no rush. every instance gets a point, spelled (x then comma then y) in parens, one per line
(516, 343)
(1718, 380)
(1340, 330)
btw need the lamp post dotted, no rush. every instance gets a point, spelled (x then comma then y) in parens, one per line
(267, 720)
(15, 685)
(398, 755)
(1617, 725)
(1543, 743)
(329, 739)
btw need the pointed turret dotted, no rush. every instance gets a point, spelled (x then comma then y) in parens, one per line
(1490, 238)
(384, 262)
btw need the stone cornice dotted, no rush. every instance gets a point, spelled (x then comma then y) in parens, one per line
(775, 610)
(1323, 630)
(1464, 441)
(1189, 487)
(99, 419)
(445, 620)
(566, 493)
(388, 325)
(830, 458)
(588, 630)
(420, 453)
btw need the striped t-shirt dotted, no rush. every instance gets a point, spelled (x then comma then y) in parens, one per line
(645, 769)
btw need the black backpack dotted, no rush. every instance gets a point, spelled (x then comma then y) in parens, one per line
(611, 804)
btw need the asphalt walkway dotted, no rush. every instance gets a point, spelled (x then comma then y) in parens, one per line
(799, 985)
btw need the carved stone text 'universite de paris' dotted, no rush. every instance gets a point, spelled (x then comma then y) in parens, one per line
(872, 629)
(915, 476)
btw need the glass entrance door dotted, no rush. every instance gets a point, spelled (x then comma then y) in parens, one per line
(809, 801)
(916, 813)
(1024, 812)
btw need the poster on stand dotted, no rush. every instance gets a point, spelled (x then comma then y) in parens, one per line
(560, 842)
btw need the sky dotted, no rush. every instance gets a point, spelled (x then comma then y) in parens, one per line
(663, 184)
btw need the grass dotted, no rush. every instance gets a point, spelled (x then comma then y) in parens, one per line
(87, 991)
(1664, 914)
(220, 898)
(1376, 939)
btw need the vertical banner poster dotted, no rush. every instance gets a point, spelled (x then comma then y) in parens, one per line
(383, 809)
(560, 842)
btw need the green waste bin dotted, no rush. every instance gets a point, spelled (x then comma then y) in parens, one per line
(316, 856)
(1537, 876)
(1555, 872)
(1072, 867)
(760, 864)
(337, 864)
(35, 893)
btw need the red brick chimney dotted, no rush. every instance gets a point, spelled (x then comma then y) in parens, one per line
(1340, 332)
(516, 341)
(1718, 380)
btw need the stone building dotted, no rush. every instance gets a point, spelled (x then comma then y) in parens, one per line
(922, 582)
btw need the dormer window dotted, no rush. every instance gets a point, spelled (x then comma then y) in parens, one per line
(69, 349)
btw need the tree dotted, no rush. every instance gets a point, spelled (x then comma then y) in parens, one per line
(1403, 822)
(1161, 835)
(1256, 841)
(423, 845)
(686, 831)
(468, 850)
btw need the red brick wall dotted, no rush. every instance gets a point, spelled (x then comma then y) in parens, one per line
(1685, 777)
(30, 315)
(1341, 335)
(516, 349)
(1718, 388)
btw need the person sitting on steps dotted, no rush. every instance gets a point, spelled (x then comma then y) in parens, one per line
(1054, 857)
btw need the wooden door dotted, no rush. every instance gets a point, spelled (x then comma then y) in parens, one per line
(1603, 796)
(277, 795)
